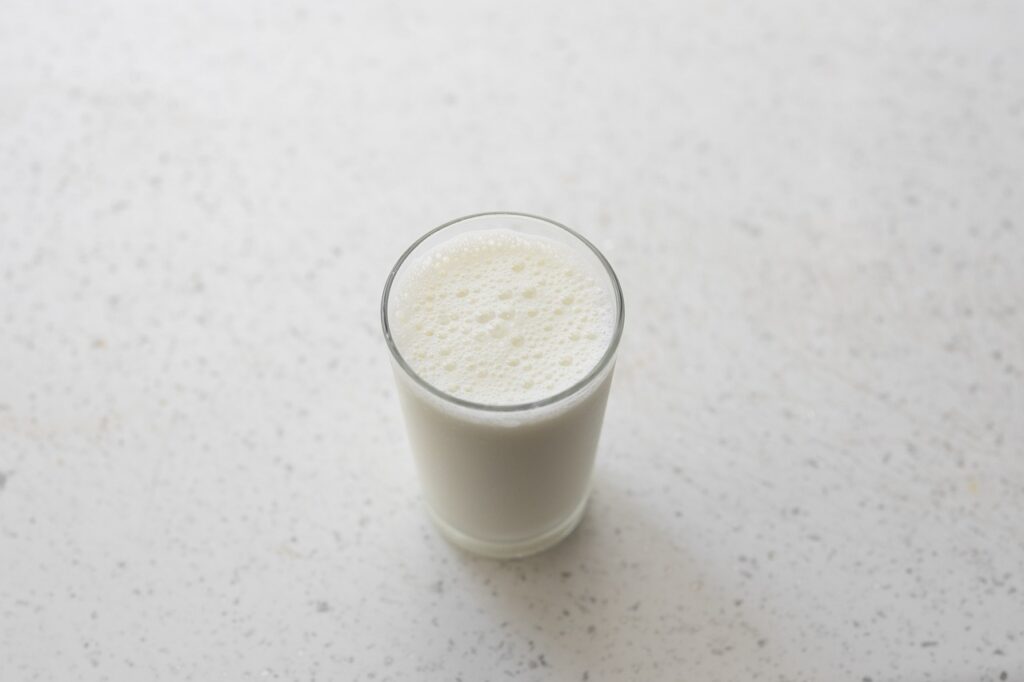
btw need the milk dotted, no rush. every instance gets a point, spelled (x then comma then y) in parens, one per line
(501, 327)
(502, 318)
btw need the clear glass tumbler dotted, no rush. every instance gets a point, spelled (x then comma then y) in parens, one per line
(505, 480)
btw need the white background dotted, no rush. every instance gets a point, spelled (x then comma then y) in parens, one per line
(812, 466)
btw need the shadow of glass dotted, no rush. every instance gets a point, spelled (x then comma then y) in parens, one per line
(624, 594)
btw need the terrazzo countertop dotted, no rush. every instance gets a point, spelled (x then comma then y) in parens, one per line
(812, 464)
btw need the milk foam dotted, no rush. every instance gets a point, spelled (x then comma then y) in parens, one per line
(501, 317)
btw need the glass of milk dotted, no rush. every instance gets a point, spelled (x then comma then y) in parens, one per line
(503, 329)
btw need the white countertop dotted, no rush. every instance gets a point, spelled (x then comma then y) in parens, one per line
(813, 460)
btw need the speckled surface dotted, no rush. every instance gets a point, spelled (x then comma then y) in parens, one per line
(812, 466)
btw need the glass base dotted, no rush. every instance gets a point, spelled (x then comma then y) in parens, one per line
(516, 549)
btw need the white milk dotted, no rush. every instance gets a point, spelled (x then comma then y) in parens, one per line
(503, 318)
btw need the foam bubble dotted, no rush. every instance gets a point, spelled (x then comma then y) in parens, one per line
(472, 310)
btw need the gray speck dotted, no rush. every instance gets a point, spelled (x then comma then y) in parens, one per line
(929, 644)
(747, 227)
(322, 607)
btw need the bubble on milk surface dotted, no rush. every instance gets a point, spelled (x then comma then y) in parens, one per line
(500, 317)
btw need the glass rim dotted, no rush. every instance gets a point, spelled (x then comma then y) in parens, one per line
(602, 363)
